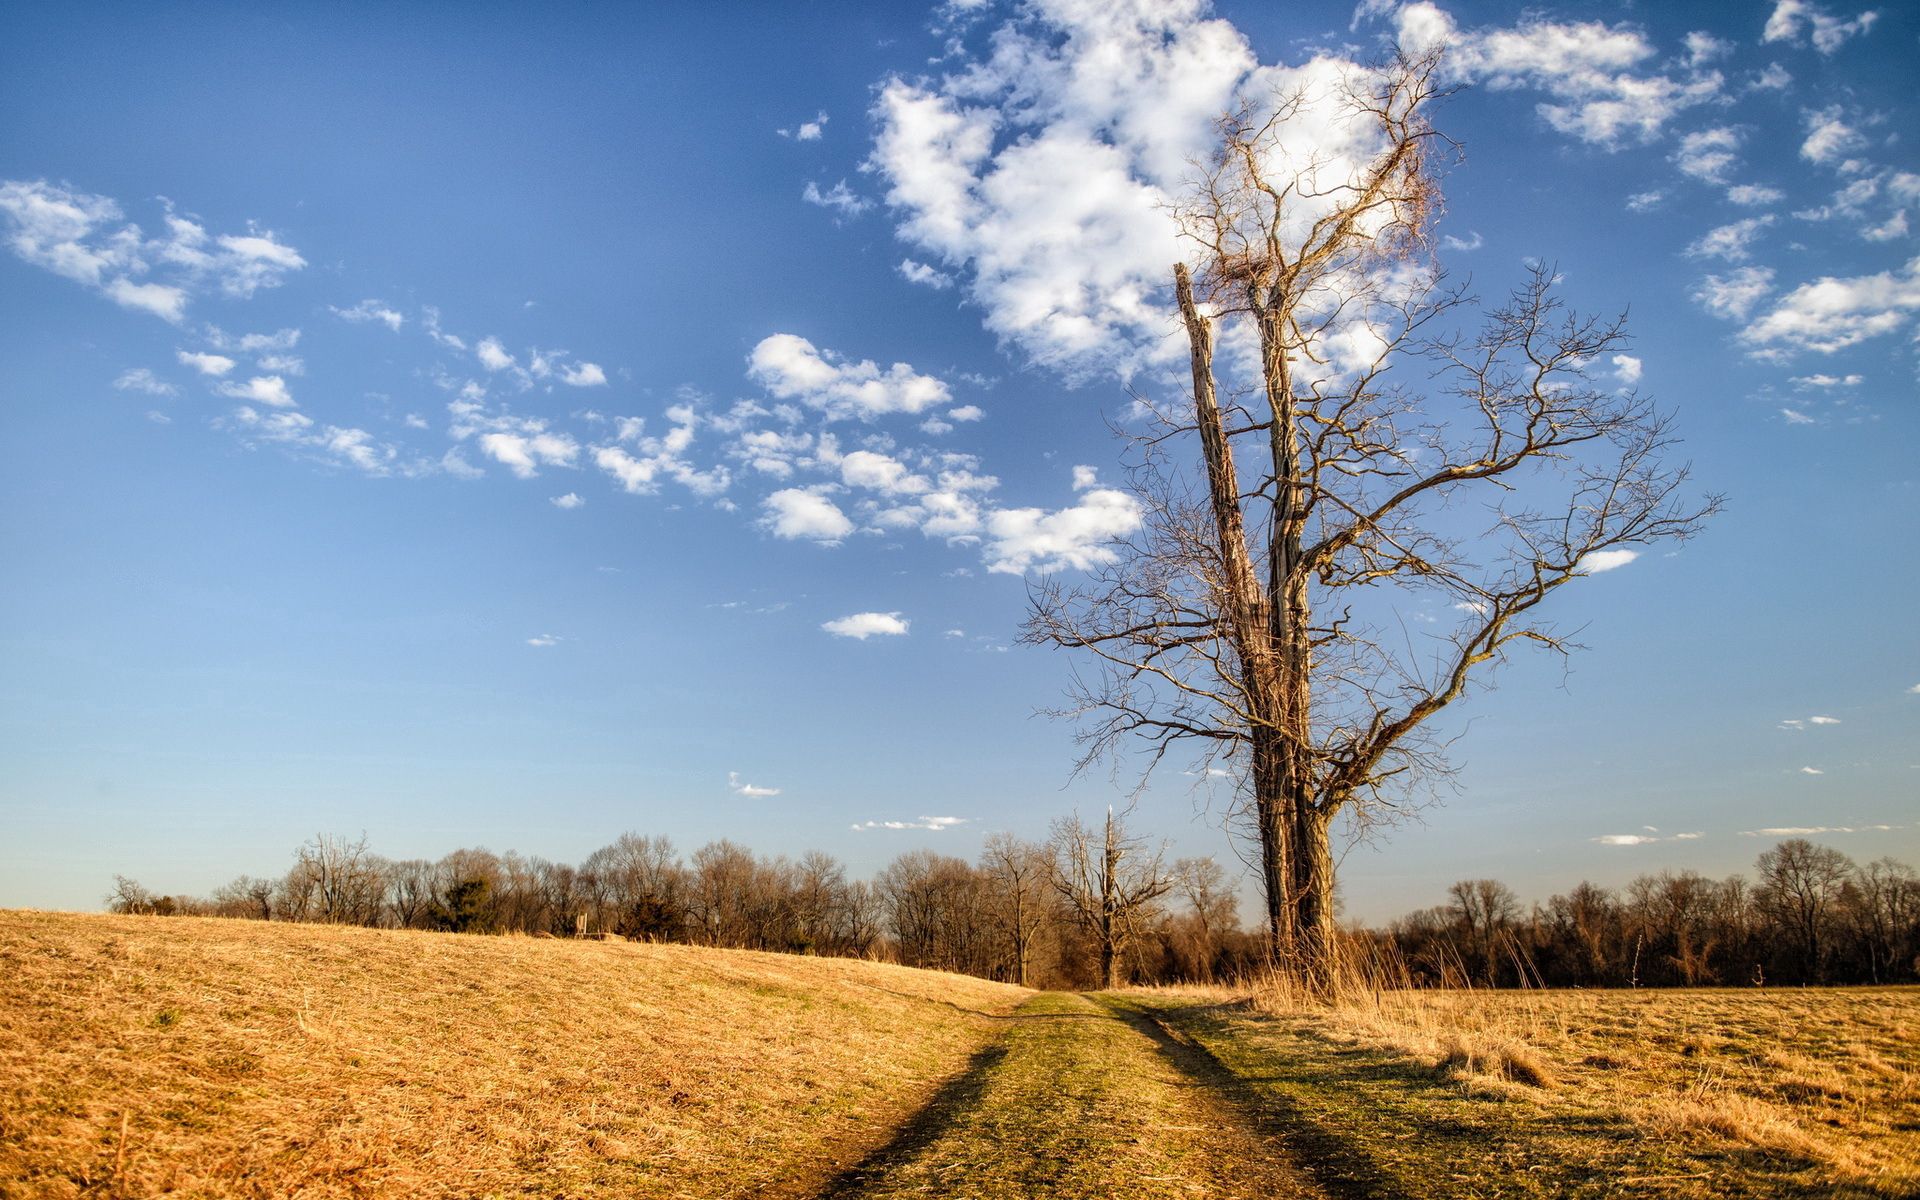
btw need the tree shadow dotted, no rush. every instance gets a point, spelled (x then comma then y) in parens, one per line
(938, 1115)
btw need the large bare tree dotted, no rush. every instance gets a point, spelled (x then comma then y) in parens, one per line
(1260, 616)
(1111, 881)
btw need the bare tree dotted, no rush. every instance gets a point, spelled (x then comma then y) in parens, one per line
(1020, 873)
(1259, 617)
(1214, 909)
(1799, 891)
(1111, 883)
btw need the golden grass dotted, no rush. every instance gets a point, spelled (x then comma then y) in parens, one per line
(148, 1056)
(1829, 1076)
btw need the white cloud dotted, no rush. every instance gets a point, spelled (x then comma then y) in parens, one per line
(1829, 137)
(1825, 382)
(569, 501)
(1588, 68)
(584, 374)
(1733, 296)
(862, 626)
(1730, 241)
(430, 321)
(493, 356)
(809, 131)
(140, 379)
(525, 453)
(334, 444)
(1774, 78)
(1791, 17)
(1473, 241)
(261, 389)
(545, 639)
(162, 300)
(870, 469)
(1645, 839)
(1831, 314)
(841, 198)
(934, 824)
(206, 364)
(1703, 47)
(1794, 416)
(966, 412)
(748, 790)
(1605, 560)
(1645, 201)
(85, 238)
(1752, 194)
(799, 513)
(1708, 154)
(1077, 538)
(1811, 771)
(664, 457)
(371, 310)
(924, 275)
(791, 368)
(1627, 368)
(1823, 720)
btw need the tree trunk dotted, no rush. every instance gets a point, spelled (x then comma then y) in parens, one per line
(1313, 873)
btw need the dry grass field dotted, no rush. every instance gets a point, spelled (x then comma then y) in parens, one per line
(1735, 1092)
(147, 1056)
(162, 1057)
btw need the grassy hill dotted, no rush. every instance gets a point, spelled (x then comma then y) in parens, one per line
(145, 1056)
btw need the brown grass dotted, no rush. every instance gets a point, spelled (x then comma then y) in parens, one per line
(1828, 1076)
(145, 1056)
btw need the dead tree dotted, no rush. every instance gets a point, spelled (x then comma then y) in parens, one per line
(1260, 617)
(1110, 883)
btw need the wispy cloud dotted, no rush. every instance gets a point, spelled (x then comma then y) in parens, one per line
(936, 824)
(748, 790)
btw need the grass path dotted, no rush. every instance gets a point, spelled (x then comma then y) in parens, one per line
(1082, 1097)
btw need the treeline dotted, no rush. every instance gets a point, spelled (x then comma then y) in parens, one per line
(1091, 907)
(1810, 915)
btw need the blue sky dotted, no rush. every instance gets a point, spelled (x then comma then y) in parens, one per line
(512, 427)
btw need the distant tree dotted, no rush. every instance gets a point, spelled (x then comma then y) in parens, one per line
(1882, 906)
(1212, 908)
(128, 896)
(1484, 910)
(246, 896)
(1111, 882)
(342, 879)
(1020, 875)
(1799, 886)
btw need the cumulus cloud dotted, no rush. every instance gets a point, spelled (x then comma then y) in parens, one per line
(1627, 369)
(807, 131)
(140, 379)
(1826, 382)
(261, 389)
(1078, 537)
(792, 368)
(1734, 296)
(862, 626)
(1645, 839)
(1708, 154)
(1472, 241)
(543, 640)
(86, 238)
(569, 501)
(800, 513)
(924, 275)
(1832, 313)
(1591, 71)
(748, 790)
(584, 374)
(1751, 195)
(1811, 771)
(492, 355)
(207, 364)
(298, 433)
(1829, 137)
(1730, 241)
(1791, 19)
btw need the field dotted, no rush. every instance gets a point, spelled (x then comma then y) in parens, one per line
(145, 1057)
